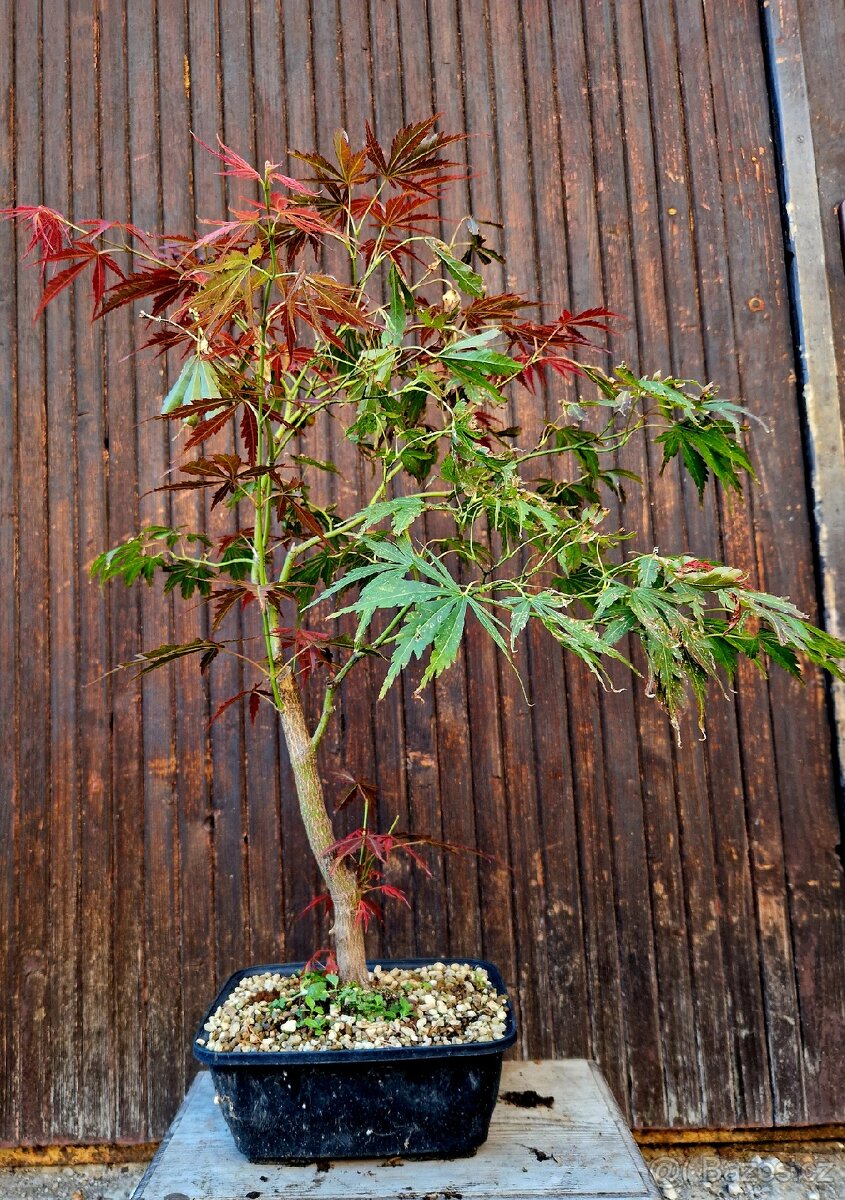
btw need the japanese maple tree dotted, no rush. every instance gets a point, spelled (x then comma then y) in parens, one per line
(410, 355)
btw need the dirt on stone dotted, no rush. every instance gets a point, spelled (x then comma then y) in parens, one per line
(759, 1171)
(96, 1182)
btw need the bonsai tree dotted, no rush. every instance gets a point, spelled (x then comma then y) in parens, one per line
(411, 356)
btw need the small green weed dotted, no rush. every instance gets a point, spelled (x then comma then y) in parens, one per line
(311, 1005)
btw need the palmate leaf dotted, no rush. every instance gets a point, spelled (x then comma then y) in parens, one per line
(129, 562)
(390, 589)
(668, 674)
(437, 625)
(48, 229)
(728, 646)
(793, 631)
(139, 557)
(151, 660)
(467, 280)
(233, 164)
(695, 619)
(196, 381)
(159, 548)
(415, 160)
(403, 511)
(488, 362)
(230, 282)
(166, 284)
(401, 303)
(582, 636)
(436, 605)
(705, 449)
(189, 577)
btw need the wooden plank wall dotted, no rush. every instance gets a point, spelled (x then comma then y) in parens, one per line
(674, 913)
(818, 29)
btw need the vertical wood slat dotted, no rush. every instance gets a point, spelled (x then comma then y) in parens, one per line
(519, 758)
(162, 1009)
(686, 196)
(812, 186)
(777, 965)
(694, 194)
(675, 913)
(266, 893)
(96, 860)
(231, 800)
(802, 759)
(590, 795)
(667, 308)
(626, 774)
(125, 720)
(427, 714)
(33, 737)
(307, 934)
(438, 85)
(9, 793)
(555, 767)
(63, 1011)
(190, 689)
(201, 74)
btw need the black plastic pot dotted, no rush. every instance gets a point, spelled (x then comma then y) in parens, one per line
(407, 1101)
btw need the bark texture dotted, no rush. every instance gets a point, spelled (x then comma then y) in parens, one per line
(340, 881)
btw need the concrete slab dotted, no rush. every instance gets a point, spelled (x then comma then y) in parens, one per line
(576, 1146)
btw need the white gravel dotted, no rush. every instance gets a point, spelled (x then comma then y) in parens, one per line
(773, 1171)
(71, 1183)
(441, 1004)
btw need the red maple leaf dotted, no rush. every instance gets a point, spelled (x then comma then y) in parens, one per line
(48, 229)
(310, 649)
(233, 163)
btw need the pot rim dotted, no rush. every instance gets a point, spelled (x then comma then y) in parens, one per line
(223, 1059)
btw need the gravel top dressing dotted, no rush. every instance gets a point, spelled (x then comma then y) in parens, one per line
(440, 1004)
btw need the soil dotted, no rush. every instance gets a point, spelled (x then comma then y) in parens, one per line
(439, 1004)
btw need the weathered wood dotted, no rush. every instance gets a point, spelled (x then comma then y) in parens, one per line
(231, 68)
(62, 606)
(822, 36)
(483, 708)
(708, 349)
(263, 769)
(813, 873)
(32, 744)
(628, 774)
(810, 232)
(575, 1143)
(816, 285)
(9, 794)
(430, 86)
(162, 921)
(588, 747)
(124, 730)
(666, 774)
(557, 852)
(191, 698)
(95, 934)
(674, 913)
(665, 233)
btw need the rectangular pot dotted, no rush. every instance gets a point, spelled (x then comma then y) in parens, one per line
(386, 1102)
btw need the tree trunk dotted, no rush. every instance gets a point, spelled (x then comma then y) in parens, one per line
(340, 882)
